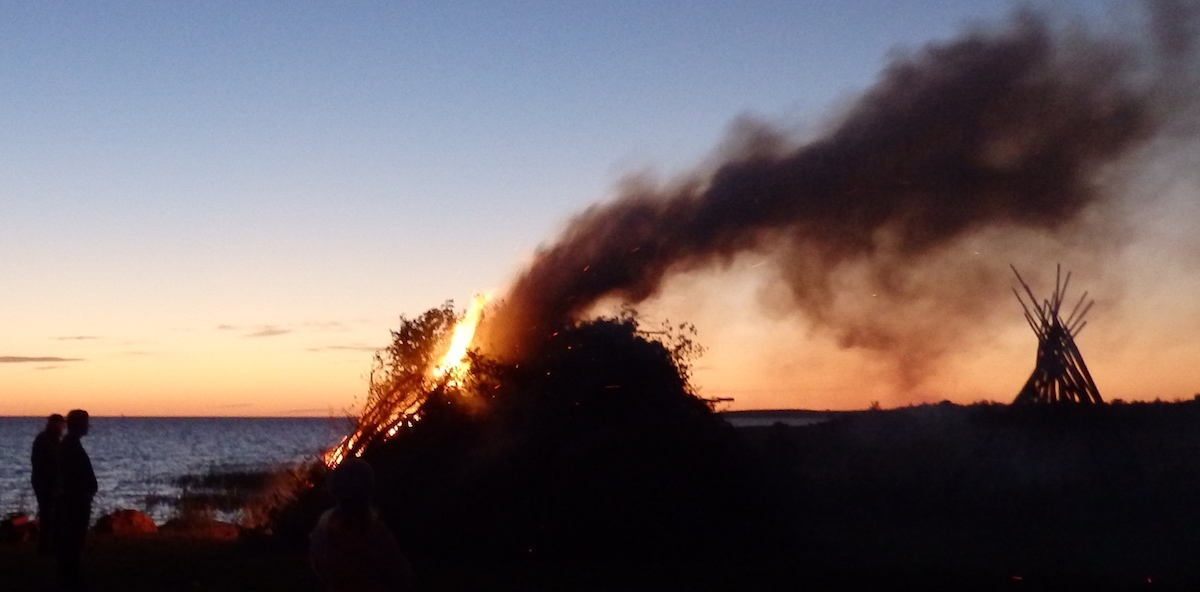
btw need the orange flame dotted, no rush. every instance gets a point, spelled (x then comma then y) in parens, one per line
(464, 331)
(452, 364)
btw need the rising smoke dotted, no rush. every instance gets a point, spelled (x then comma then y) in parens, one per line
(1004, 132)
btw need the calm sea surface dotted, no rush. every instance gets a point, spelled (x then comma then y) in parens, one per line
(136, 458)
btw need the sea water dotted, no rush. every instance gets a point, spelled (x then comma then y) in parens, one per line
(137, 459)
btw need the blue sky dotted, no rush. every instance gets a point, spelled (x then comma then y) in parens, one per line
(200, 186)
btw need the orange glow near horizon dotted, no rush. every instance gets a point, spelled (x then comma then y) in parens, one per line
(1135, 349)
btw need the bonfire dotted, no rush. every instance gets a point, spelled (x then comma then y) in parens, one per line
(404, 375)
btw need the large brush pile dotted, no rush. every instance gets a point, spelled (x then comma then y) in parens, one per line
(592, 457)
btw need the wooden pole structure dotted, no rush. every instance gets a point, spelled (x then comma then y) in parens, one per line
(1060, 375)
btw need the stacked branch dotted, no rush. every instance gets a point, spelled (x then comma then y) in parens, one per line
(1060, 374)
(401, 381)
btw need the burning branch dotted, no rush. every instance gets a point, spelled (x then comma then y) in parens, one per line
(427, 354)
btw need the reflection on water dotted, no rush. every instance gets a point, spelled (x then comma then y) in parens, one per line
(136, 458)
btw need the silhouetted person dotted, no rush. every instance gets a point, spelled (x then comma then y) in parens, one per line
(77, 484)
(44, 462)
(351, 549)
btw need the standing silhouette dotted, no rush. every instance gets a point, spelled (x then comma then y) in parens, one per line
(77, 487)
(351, 549)
(44, 462)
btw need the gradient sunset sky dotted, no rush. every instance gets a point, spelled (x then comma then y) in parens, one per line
(222, 208)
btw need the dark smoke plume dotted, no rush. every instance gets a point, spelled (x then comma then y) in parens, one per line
(1001, 131)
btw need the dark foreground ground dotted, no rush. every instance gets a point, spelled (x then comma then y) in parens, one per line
(153, 564)
(162, 564)
(929, 498)
(993, 497)
(856, 557)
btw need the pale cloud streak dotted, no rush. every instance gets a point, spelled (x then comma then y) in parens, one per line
(325, 326)
(35, 359)
(359, 348)
(269, 331)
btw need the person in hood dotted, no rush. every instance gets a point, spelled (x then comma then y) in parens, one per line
(351, 549)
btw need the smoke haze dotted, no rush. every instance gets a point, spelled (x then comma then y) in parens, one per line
(1005, 141)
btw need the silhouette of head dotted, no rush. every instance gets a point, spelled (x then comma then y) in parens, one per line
(352, 483)
(55, 424)
(77, 422)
